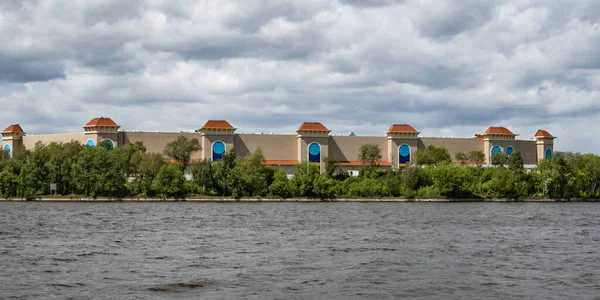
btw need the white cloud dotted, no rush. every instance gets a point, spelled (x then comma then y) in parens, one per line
(447, 69)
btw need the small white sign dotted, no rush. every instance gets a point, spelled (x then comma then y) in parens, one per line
(53, 186)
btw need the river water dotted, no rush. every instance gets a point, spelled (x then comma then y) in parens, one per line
(188, 250)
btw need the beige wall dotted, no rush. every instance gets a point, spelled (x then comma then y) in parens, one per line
(452, 144)
(541, 147)
(527, 148)
(209, 140)
(393, 148)
(156, 141)
(273, 146)
(292, 147)
(29, 141)
(14, 144)
(108, 136)
(346, 148)
(305, 141)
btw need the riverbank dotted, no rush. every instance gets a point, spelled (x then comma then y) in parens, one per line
(104, 199)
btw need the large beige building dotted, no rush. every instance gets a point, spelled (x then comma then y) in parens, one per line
(312, 142)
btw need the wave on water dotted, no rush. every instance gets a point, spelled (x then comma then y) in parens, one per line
(178, 286)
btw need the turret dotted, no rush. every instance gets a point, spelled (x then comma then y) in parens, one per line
(313, 143)
(402, 144)
(12, 139)
(217, 138)
(544, 143)
(101, 129)
(497, 140)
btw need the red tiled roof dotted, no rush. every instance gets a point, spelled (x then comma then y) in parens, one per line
(13, 128)
(498, 130)
(217, 124)
(401, 128)
(101, 122)
(313, 126)
(543, 133)
(360, 164)
(280, 162)
(479, 136)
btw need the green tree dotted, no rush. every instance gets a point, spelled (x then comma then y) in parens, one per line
(325, 188)
(181, 150)
(203, 176)
(8, 181)
(515, 162)
(305, 175)
(451, 181)
(477, 157)
(255, 177)
(149, 164)
(4, 155)
(281, 186)
(86, 171)
(170, 181)
(369, 154)
(506, 183)
(499, 159)
(369, 188)
(432, 155)
(224, 173)
(332, 166)
(61, 159)
(133, 156)
(462, 157)
(554, 176)
(411, 180)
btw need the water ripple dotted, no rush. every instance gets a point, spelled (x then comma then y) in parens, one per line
(299, 250)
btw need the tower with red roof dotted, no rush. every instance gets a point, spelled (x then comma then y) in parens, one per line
(544, 143)
(101, 129)
(12, 139)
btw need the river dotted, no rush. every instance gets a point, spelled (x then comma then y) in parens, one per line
(299, 250)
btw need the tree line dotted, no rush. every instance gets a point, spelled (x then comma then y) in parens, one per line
(131, 171)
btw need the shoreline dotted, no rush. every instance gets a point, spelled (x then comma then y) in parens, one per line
(271, 200)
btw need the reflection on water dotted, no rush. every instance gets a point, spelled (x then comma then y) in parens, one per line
(299, 250)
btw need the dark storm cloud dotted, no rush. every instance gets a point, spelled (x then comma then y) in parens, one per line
(453, 18)
(450, 67)
(13, 69)
(258, 14)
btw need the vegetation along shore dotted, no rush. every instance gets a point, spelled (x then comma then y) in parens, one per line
(129, 172)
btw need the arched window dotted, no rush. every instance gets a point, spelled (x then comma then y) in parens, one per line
(109, 144)
(218, 148)
(7, 149)
(90, 143)
(548, 154)
(509, 150)
(495, 149)
(314, 153)
(404, 154)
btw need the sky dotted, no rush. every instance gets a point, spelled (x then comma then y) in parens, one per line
(448, 68)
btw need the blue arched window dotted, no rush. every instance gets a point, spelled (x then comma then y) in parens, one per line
(109, 144)
(404, 154)
(509, 150)
(314, 153)
(7, 149)
(496, 149)
(90, 143)
(218, 148)
(548, 153)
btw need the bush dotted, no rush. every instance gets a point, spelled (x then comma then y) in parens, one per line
(170, 181)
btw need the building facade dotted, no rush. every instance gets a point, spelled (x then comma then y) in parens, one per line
(311, 142)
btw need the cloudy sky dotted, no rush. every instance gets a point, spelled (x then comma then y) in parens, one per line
(449, 68)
